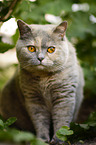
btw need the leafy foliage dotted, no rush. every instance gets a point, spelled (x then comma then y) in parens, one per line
(84, 131)
(75, 133)
(6, 124)
(78, 132)
(16, 136)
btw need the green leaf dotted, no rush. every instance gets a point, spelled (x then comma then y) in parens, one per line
(92, 124)
(5, 47)
(63, 132)
(92, 117)
(10, 121)
(61, 137)
(24, 136)
(38, 142)
(1, 123)
(85, 126)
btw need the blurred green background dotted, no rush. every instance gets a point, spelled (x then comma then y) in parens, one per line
(81, 17)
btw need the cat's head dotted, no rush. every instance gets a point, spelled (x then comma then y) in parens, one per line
(42, 47)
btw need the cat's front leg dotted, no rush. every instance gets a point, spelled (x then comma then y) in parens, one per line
(40, 118)
(62, 113)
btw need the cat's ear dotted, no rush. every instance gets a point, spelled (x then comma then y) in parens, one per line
(61, 29)
(24, 29)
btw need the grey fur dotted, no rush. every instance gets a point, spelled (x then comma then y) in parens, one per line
(43, 91)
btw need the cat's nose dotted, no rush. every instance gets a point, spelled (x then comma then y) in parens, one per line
(40, 57)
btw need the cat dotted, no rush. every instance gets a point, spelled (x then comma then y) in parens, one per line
(47, 89)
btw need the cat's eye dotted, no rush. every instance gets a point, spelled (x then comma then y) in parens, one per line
(31, 48)
(51, 49)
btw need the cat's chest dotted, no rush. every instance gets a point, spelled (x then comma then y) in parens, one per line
(37, 90)
(38, 86)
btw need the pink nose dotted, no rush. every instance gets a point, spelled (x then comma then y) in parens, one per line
(40, 57)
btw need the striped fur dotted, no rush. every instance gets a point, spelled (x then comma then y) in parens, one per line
(50, 91)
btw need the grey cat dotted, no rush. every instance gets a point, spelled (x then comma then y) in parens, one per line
(47, 89)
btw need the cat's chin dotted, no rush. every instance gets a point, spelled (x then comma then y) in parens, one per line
(41, 67)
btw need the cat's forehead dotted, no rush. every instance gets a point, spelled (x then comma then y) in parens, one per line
(42, 27)
(42, 30)
(42, 33)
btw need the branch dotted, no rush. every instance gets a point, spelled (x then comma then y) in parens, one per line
(11, 8)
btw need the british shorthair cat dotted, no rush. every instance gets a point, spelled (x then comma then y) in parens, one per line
(47, 89)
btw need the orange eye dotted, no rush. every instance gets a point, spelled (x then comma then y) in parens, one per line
(51, 49)
(31, 48)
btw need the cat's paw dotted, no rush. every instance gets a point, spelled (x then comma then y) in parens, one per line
(44, 139)
(56, 141)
